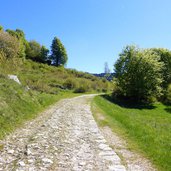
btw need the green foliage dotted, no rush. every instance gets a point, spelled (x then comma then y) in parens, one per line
(9, 66)
(168, 95)
(36, 52)
(165, 57)
(33, 50)
(9, 45)
(20, 36)
(59, 55)
(13, 43)
(9, 53)
(18, 104)
(50, 79)
(44, 53)
(70, 84)
(138, 74)
(146, 128)
(46, 83)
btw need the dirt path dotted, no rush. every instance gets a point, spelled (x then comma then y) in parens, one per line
(64, 138)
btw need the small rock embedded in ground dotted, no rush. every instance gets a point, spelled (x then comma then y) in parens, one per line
(46, 160)
(10, 151)
(21, 163)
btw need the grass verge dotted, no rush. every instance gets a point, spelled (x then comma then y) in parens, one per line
(146, 128)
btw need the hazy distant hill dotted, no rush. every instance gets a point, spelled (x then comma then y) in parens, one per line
(109, 76)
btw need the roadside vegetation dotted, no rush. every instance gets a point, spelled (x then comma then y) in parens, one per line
(146, 128)
(143, 75)
(18, 104)
(44, 79)
(139, 108)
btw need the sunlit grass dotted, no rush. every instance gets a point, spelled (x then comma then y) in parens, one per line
(147, 128)
(17, 104)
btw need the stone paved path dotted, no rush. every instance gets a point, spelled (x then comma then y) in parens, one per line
(63, 138)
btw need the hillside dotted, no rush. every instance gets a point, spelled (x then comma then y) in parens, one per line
(41, 85)
(50, 79)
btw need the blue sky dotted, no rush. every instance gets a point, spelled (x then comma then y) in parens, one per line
(93, 31)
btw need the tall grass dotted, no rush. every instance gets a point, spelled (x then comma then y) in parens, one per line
(50, 79)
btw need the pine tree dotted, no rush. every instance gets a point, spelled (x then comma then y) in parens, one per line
(59, 55)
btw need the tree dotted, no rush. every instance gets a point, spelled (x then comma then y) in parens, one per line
(44, 53)
(59, 55)
(138, 74)
(19, 34)
(33, 50)
(165, 57)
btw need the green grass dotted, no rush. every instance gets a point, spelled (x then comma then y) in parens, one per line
(147, 128)
(47, 85)
(18, 105)
(51, 79)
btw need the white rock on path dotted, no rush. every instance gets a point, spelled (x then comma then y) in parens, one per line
(46, 160)
(21, 163)
(10, 151)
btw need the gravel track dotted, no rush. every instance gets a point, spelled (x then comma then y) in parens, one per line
(65, 137)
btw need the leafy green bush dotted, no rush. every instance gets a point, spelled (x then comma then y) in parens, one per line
(138, 74)
(9, 45)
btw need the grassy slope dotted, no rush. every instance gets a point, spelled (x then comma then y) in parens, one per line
(146, 129)
(17, 104)
(42, 77)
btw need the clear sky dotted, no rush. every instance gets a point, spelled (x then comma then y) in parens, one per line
(92, 31)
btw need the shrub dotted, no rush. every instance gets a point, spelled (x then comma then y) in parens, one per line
(70, 84)
(9, 45)
(81, 89)
(9, 53)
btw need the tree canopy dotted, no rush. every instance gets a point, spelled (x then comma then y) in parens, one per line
(138, 73)
(165, 57)
(59, 54)
(44, 53)
(33, 50)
